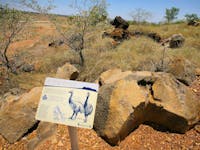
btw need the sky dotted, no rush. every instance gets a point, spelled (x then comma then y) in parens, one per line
(123, 8)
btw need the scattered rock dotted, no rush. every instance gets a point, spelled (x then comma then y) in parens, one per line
(136, 33)
(117, 34)
(67, 71)
(193, 23)
(56, 43)
(18, 116)
(144, 97)
(197, 71)
(155, 36)
(197, 128)
(60, 143)
(15, 91)
(119, 22)
(177, 40)
(27, 68)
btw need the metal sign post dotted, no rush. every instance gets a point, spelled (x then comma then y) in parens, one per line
(73, 137)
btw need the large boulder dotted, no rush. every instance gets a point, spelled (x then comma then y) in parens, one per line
(67, 71)
(176, 41)
(119, 22)
(144, 97)
(17, 114)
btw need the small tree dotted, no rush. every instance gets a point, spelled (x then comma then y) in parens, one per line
(12, 22)
(87, 14)
(191, 17)
(171, 14)
(140, 15)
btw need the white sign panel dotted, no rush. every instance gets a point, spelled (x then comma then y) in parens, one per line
(68, 102)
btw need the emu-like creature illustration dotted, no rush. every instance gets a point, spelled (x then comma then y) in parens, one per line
(78, 107)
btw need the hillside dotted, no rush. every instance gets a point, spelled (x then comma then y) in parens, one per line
(139, 53)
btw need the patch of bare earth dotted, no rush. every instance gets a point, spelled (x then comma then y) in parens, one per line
(144, 137)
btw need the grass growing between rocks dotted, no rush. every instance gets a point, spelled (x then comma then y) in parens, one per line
(138, 53)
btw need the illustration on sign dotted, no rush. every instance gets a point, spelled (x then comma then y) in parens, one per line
(68, 102)
(79, 107)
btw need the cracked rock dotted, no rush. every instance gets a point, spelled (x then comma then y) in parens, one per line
(144, 97)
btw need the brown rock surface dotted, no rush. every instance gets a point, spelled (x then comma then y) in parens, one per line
(17, 114)
(112, 75)
(182, 69)
(67, 71)
(176, 41)
(144, 97)
(119, 22)
(44, 132)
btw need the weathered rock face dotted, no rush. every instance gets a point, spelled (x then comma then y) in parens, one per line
(120, 33)
(119, 22)
(112, 75)
(177, 40)
(182, 69)
(144, 97)
(67, 72)
(17, 114)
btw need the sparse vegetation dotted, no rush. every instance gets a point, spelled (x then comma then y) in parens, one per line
(140, 46)
(12, 22)
(140, 15)
(171, 14)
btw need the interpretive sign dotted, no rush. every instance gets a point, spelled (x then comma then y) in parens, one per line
(68, 102)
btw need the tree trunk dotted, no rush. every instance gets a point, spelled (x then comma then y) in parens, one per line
(81, 58)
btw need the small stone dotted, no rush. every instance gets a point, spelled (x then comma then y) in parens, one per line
(60, 143)
(197, 128)
(194, 90)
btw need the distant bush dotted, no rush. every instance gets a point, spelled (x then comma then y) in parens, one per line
(191, 17)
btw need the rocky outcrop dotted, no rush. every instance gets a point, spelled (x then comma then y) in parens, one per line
(117, 34)
(142, 97)
(17, 114)
(175, 41)
(193, 23)
(120, 33)
(67, 71)
(154, 36)
(119, 22)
